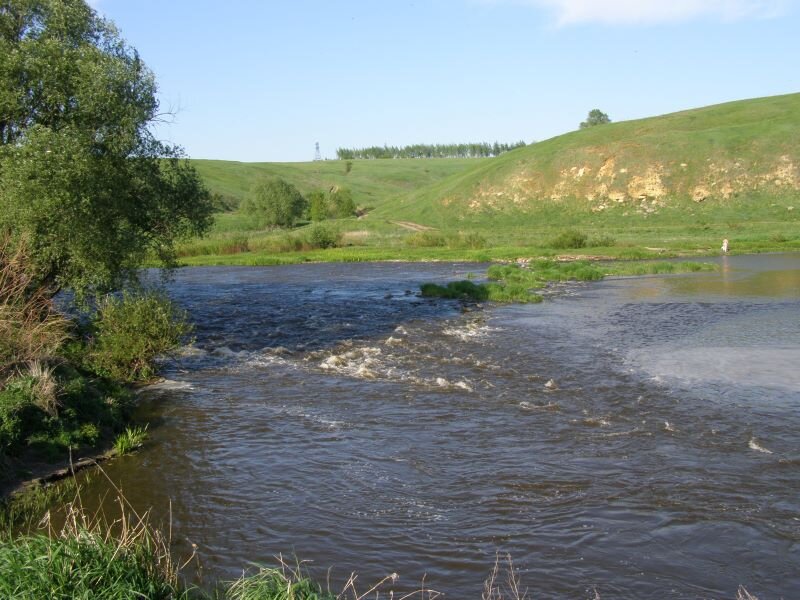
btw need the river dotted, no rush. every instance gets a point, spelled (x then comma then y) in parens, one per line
(326, 411)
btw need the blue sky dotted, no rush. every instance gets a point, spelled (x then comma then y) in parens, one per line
(264, 80)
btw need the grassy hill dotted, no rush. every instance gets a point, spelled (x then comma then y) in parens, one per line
(373, 182)
(668, 185)
(743, 149)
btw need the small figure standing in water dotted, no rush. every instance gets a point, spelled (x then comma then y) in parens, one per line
(725, 246)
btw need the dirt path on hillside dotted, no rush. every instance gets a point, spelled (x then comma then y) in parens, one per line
(412, 226)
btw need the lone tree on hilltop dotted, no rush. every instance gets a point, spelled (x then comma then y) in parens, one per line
(83, 181)
(275, 203)
(595, 117)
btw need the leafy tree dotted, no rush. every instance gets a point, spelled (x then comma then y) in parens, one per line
(318, 205)
(82, 178)
(595, 117)
(341, 203)
(275, 203)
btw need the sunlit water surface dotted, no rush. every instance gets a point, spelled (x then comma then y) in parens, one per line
(327, 412)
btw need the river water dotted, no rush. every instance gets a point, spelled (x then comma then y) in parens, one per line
(327, 412)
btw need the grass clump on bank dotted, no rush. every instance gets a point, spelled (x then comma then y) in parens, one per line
(129, 440)
(277, 584)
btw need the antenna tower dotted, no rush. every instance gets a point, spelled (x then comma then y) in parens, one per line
(317, 154)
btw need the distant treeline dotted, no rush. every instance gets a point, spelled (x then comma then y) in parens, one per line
(479, 150)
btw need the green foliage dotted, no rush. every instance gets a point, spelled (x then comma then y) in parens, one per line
(568, 240)
(19, 416)
(131, 331)
(466, 290)
(129, 440)
(275, 203)
(474, 150)
(341, 203)
(318, 205)
(595, 117)
(348, 166)
(455, 290)
(81, 176)
(321, 235)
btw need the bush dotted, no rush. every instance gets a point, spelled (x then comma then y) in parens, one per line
(323, 236)
(131, 331)
(570, 239)
(341, 203)
(275, 203)
(317, 205)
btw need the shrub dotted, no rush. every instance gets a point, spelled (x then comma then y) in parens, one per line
(131, 331)
(275, 203)
(317, 205)
(323, 236)
(341, 203)
(568, 240)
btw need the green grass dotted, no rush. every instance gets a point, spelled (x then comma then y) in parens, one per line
(276, 584)
(373, 182)
(129, 440)
(514, 283)
(624, 190)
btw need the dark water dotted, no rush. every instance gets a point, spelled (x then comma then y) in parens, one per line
(325, 412)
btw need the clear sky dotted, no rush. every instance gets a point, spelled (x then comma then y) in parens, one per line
(264, 80)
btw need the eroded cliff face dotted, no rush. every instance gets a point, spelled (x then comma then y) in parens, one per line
(604, 181)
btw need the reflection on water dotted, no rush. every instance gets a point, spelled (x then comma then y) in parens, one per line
(326, 411)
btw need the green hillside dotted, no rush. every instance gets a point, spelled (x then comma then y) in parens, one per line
(738, 150)
(373, 182)
(670, 185)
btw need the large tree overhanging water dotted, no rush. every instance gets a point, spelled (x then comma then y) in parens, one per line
(82, 176)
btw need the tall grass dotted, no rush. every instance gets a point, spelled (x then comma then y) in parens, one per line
(31, 329)
(89, 559)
